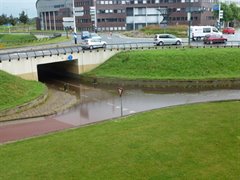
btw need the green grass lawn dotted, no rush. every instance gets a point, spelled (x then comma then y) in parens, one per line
(180, 64)
(21, 40)
(200, 141)
(17, 37)
(15, 91)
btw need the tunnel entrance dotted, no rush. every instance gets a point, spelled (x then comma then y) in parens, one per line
(56, 71)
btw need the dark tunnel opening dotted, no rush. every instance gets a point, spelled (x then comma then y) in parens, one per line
(55, 71)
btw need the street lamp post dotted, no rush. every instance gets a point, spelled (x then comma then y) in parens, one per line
(74, 24)
(189, 21)
(74, 19)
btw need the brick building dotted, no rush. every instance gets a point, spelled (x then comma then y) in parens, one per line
(118, 15)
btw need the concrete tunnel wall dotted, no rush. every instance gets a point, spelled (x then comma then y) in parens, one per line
(81, 62)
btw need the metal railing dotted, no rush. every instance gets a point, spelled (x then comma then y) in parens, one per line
(63, 50)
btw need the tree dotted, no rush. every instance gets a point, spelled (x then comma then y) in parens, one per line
(23, 18)
(12, 20)
(236, 11)
(3, 19)
(231, 13)
(227, 12)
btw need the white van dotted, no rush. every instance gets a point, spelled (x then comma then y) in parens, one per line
(199, 32)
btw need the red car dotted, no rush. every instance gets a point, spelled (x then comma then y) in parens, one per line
(229, 30)
(210, 39)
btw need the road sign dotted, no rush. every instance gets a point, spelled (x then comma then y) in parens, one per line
(92, 13)
(188, 16)
(215, 7)
(220, 14)
(79, 11)
(68, 22)
(70, 57)
(92, 10)
(120, 91)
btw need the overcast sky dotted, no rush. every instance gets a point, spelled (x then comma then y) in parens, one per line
(15, 7)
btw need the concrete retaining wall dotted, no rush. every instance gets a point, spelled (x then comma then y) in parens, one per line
(164, 84)
(81, 62)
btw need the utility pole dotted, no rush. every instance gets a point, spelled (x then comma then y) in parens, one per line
(189, 21)
(74, 24)
(95, 16)
(74, 19)
(220, 15)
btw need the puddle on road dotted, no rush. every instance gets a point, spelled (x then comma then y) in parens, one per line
(97, 104)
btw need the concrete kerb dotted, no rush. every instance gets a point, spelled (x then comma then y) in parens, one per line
(56, 102)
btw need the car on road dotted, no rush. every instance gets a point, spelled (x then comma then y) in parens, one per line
(92, 43)
(85, 34)
(214, 38)
(166, 39)
(228, 30)
(95, 36)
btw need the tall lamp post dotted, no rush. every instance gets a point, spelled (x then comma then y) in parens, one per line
(74, 19)
(189, 21)
(74, 24)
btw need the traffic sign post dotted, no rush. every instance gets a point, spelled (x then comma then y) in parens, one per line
(93, 14)
(220, 14)
(120, 92)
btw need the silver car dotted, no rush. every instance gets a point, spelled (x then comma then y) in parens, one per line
(93, 43)
(166, 39)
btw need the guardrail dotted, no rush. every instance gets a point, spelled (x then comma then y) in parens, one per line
(42, 52)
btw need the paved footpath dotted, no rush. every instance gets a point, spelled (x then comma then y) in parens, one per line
(36, 121)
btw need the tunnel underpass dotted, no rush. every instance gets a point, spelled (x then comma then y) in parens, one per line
(56, 71)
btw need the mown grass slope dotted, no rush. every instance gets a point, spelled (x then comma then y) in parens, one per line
(15, 91)
(186, 142)
(17, 37)
(177, 64)
(21, 40)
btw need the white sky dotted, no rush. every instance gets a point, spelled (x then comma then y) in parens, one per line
(15, 7)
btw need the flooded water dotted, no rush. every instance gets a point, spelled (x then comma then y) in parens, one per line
(96, 104)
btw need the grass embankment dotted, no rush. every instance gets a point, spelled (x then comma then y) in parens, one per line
(20, 40)
(178, 30)
(172, 64)
(198, 141)
(17, 37)
(150, 31)
(16, 91)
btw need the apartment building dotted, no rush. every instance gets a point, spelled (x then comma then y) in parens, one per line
(119, 15)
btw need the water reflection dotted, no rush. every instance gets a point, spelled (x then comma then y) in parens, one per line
(96, 104)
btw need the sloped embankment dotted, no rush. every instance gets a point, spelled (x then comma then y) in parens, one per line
(17, 94)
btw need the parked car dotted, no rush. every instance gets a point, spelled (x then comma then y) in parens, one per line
(93, 43)
(213, 38)
(166, 39)
(229, 30)
(85, 34)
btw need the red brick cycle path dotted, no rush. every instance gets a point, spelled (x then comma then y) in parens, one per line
(17, 131)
